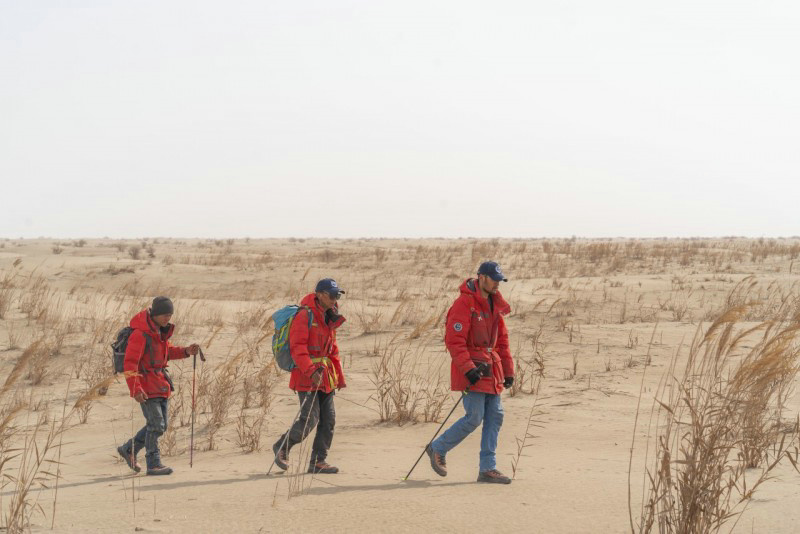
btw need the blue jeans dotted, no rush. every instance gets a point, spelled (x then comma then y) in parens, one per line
(155, 414)
(479, 407)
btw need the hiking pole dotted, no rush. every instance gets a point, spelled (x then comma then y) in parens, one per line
(194, 377)
(463, 393)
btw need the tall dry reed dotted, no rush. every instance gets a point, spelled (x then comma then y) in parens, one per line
(719, 431)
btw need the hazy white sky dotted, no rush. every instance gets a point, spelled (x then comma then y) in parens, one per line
(342, 118)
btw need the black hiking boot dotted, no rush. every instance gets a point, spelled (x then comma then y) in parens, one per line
(159, 470)
(281, 456)
(437, 462)
(493, 476)
(129, 458)
(322, 467)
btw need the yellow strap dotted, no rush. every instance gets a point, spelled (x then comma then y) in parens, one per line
(333, 377)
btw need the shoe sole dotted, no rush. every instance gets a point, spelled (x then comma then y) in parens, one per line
(436, 469)
(493, 481)
(159, 472)
(135, 468)
(323, 471)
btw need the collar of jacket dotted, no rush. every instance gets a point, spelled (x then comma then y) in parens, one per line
(310, 300)
(470, 287)
(155, 330)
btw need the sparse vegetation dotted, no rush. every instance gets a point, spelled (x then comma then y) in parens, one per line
(579, 311)
(720, 429)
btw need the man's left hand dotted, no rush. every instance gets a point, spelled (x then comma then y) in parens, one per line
(192, 349)
(508, 382)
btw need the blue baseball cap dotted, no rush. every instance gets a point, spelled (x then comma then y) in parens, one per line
(330, 286)
(492, 270)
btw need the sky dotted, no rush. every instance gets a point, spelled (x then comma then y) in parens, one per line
(344, 118)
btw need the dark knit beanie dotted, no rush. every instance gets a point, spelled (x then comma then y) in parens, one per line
(161, 306)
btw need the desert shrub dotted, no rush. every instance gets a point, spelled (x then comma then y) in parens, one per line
(720, 432)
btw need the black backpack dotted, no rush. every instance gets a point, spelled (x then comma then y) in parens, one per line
(121, 344)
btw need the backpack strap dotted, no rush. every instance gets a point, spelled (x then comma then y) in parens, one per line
(148, 346)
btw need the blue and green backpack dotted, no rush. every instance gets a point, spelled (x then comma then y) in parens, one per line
(280, 339)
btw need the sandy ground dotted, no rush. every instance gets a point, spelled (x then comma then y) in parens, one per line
(572, 477)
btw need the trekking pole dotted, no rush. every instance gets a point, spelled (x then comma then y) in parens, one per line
(463, 393)
(194, 377)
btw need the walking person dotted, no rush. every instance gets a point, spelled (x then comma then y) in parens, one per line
(481, 366)
(316, 377)
(146, 358)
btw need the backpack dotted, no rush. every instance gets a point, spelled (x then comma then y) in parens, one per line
(280, 340)
(121, 344)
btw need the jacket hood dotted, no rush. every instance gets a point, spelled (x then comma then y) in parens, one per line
(470, 287)
(142, 321)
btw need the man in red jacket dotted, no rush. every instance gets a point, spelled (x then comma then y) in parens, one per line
(477, 339)
(145, 365)
(316, 377)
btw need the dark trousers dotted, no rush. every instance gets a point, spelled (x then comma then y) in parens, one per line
(316, 410)
(155, 416)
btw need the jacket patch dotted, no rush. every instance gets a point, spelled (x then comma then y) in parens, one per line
(458, 327)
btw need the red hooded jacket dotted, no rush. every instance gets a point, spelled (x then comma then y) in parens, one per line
(314, 348)
(473, 334)
(144, 368)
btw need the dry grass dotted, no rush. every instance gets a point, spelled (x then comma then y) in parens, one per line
(534, 421)
(249, 428)
(7, 291)
(719, 429)
(37, 454)
(404, 392)
(562, 292)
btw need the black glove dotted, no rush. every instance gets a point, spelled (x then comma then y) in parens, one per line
(508, 382)
(473, 375)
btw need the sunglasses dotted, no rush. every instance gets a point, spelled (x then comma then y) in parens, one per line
(334, 296)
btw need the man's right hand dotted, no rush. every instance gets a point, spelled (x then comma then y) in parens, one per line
(473, 375)
(140, 397)
(316, 377)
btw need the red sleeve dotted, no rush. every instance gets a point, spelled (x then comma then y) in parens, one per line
(456, 332)
(298, 343)
(176, 353)
(503, 349)
(133, 355)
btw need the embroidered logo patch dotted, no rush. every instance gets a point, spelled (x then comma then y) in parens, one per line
(457, 327)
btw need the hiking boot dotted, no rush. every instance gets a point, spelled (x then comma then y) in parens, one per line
(493, 476)
(281, 456)
(322, 467)
(129, 458)
(437, 462)
(159, 470)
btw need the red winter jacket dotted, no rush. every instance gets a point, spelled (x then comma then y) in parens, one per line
(144, 369)
(474, 334)
(314, 348)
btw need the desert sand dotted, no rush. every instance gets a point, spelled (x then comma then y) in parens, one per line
(594, 327)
